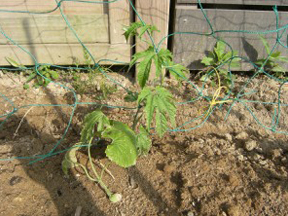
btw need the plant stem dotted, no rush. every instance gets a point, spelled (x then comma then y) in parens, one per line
(99, 180)
(136, 120)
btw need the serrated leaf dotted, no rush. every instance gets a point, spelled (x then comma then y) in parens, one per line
(70, 160)
(144, 67)
(160, 100)
(90, 120)
(162, 59)
(122, 150)
(131, 30)
(161, 123)
(143, 141)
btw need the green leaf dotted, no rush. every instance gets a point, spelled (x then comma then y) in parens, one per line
(235, 63)
(162, 59)
(178, 71)
(266, 44)
(161, 123)
(26, 86)
(149, 28)
(275, 54)
(282, 59)
(131, 30)
(90, 120)
(144, 67)
(208, 61)
(278, 68)
(143, 141)
(13, 63)
(260, 62)
(160, 100)
(31, 76)
(54, 74)
(122, 150)
(219, 49)
(70, 160)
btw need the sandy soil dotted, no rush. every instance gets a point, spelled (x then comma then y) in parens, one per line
(232, 167)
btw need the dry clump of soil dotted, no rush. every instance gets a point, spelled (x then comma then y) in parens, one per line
(232, 167)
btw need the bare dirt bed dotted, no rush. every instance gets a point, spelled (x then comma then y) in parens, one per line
(232, 167)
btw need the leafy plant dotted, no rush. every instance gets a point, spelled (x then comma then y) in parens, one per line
(123, 149)
(272, 63)
(127, 144)
(161, 59)
(43, 71)
(219, 58)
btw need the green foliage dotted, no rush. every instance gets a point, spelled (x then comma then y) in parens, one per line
(122, 149)
(143, 141)
(162, 59)
(138, 29)
(272, 63)
(43, 71)
(217, 59)
(161, 101)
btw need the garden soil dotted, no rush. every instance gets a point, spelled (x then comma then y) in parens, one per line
(231, 167)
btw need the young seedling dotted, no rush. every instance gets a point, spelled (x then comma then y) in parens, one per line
(43, 71)
(127, 144)
(272, 64)
(218, 59)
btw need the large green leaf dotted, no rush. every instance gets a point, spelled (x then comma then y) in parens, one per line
(90, 120)
(122, 150)
(160, 100)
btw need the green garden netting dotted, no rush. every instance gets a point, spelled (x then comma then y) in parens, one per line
(236, 100)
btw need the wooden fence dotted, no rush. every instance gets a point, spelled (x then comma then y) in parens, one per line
(250, 15)
(100, 27)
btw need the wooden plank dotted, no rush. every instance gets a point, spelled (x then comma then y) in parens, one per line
(241, 2)
(52, 29)
(64, 54)
(154, 12)
(190, 49)
(119, 16)
(48, 5)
